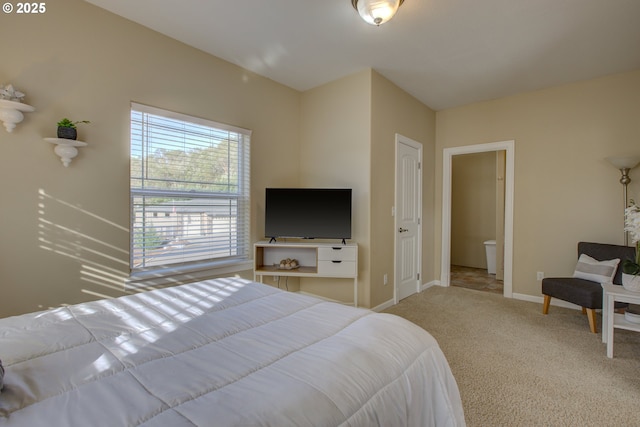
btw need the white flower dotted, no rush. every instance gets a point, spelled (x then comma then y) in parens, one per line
(632, 221)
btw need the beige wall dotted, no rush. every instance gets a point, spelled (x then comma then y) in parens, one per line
(473, 207)
(348, 139)
(335, 152)
(565, 190)
(395, 111)
(64, 234)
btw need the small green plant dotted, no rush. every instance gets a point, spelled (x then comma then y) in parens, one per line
(66, 123)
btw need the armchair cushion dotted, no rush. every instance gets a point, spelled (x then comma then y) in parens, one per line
(584, 293)
(602, 251)
(597, 271)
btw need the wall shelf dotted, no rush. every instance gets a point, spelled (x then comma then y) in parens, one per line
(66, 148)
(11, 113)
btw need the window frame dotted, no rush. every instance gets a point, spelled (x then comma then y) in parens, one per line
(183, 272)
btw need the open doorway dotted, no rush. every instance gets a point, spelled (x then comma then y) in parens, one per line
(507, 228)
(477, 221)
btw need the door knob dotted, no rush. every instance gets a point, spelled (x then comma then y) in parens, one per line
(402, 230)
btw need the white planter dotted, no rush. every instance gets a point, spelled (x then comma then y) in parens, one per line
(631, 282)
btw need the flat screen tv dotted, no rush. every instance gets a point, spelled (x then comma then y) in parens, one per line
(308, 213)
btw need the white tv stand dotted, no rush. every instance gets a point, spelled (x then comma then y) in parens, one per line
(335, 260)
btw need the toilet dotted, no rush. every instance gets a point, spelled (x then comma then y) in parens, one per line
(490, 247)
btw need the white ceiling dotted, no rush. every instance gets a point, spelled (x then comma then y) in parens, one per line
(446, 53)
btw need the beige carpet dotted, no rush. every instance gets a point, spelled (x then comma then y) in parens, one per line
(517, 367)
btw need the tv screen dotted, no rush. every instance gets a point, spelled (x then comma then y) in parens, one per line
(309, 213)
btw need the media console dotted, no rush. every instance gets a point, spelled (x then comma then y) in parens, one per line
(316, 260)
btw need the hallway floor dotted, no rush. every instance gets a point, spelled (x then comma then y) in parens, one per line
(475, 278)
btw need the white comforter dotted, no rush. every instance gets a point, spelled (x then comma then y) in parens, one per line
(219, 353)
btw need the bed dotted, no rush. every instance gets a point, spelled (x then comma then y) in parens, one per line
(222, 352)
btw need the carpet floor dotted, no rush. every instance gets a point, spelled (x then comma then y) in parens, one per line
(517, 367)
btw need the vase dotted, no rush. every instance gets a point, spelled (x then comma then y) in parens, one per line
(631, 282)
(67, 133)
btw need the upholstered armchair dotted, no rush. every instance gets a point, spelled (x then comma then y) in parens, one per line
(597, 263)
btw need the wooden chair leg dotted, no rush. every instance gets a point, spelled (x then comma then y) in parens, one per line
(584, 310)
(545, 306)
(591, 314)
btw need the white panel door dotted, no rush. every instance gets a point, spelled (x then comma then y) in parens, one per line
(408, 212)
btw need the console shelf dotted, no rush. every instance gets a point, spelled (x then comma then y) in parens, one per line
(315, 259)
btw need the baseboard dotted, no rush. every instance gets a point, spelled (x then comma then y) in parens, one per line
(390, 302)
(540, 300)
(383, 306)
(427, 285)
(523, 297)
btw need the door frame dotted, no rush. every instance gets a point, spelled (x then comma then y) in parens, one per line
(418, 146)
(447, 158)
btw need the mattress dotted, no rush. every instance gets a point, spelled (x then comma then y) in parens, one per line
(223, 352)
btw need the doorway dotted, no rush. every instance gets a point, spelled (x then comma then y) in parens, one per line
(407, 218)
(508, 147)
(477, 215)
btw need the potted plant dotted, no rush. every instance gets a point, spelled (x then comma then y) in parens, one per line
(67, 129)
(631, 267)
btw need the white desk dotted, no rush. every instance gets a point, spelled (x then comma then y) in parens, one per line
(611, 319)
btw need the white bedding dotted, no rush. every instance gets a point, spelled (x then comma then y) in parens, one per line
(219, 353)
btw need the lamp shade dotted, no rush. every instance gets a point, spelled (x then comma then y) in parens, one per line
(624, 162)
(376, 12)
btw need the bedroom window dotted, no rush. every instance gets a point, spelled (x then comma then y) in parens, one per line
(189, 191)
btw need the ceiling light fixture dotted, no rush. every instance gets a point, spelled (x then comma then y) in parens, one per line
(376, 12)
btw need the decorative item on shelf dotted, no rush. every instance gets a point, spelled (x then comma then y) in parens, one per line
(288, 264)
(631, 267)
(67, 129)
(66, 148)
(9, 93)
(11, 107)
(376, 12)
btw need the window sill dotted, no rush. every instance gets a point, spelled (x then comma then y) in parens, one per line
(179, 275)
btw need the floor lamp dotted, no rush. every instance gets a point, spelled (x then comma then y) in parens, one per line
(624, 165)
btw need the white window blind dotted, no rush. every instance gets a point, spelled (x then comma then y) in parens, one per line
(189, 190)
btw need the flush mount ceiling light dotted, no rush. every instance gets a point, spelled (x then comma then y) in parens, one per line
(376, 12)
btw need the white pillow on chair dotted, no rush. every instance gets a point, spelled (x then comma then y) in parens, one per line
(594, 270)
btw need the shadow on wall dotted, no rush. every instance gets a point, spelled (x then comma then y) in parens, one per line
(70, 232)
